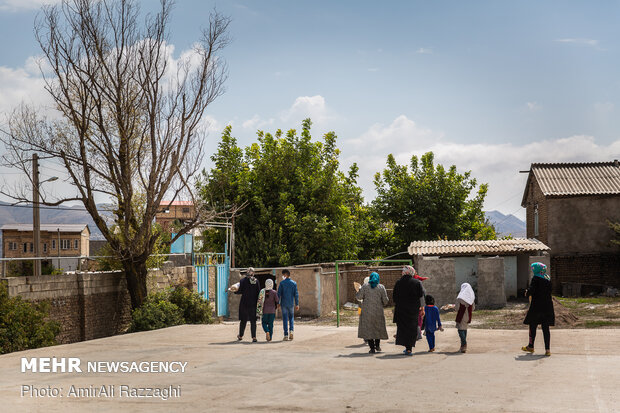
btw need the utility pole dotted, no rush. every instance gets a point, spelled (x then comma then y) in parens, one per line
(36, 218)
(232, 243)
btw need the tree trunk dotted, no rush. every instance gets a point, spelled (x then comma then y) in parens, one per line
(135, 274)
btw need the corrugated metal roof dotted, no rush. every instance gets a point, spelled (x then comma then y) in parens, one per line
(600, 178)
(465, 247)
(47, 227)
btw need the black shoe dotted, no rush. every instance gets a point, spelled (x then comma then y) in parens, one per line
(239, 338)
(378, 349)
(254, 340)
(372, 351)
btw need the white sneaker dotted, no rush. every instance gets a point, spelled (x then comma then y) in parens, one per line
(285, 338)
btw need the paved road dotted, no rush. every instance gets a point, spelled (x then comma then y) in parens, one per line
(328, 369)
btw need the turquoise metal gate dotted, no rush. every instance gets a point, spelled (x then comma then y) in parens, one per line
(218, 264)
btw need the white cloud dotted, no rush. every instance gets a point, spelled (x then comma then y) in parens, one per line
(425, 50)
(533, 106)
(21, 85)
(312, 107)
(580, 41)
(373, 69)
(18, 5)
(402, 131)
(256, 122)
(495, 164)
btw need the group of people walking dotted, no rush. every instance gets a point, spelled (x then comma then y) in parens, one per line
(257, 303)
(415, 311)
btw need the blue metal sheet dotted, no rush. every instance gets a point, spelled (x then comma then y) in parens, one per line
(183, 245)
(223, 272)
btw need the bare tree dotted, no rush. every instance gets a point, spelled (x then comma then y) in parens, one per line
(130, 123)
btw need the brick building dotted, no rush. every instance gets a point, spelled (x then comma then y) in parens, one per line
(568, 206)
(57, 240)
(175, 210)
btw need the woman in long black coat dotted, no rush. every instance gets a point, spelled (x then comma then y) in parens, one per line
(249, 288)
(541, 307)
(407, 296)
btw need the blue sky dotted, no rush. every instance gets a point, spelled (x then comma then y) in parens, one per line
(489, 86)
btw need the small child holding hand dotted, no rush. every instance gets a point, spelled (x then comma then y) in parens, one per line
(432, 322)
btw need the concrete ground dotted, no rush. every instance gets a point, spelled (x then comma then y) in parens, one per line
(329, 369)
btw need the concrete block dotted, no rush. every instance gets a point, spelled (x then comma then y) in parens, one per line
(491, 292)
(441, 283)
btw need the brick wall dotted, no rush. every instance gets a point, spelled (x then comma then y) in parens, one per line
(91, 305)
(602, 269)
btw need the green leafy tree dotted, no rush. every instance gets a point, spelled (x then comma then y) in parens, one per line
(428, 202)
(300, 207)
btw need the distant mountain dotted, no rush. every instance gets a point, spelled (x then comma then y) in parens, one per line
(67, 215)
(506, 224)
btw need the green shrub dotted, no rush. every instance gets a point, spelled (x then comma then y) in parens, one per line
(156, 312)
(171, 307)
(196, 310)
(23, 325)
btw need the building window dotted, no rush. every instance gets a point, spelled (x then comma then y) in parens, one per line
(186, 210)
(12, 246)
(25, 247)
(536, 233)
(45, 247)
(53, 244)
(65, 244)
(75, 244)
(31, 246)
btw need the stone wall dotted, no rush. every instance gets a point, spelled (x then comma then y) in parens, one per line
(161, 279)
(491, 292)
(327, 297)
(90, 305)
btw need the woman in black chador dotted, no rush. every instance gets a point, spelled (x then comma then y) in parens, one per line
(541, 307)
(249, 288)
(407, 295)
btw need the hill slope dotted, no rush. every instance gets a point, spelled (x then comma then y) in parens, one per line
(506, 224)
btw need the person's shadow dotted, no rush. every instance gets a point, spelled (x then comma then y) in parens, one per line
(530, 357)
(355, 355)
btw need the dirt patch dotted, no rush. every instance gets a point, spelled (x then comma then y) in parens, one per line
(592, 312)
(563, 316)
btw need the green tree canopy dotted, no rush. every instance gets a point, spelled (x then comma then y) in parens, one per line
(428, 202)
(301, 207)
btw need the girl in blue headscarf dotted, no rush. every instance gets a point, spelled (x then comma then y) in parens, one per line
(541, 307)
(372, 319)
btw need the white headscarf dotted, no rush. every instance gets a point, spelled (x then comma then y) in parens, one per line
(467, 294)
(269, 284)
(250, 275)
(366, 280)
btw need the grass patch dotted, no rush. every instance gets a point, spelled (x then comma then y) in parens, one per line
(601, 323)
(572, 302)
